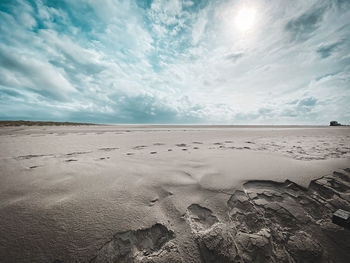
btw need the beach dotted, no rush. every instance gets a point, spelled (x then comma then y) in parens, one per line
(173, 193)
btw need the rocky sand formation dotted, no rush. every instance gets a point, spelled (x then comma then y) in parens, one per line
(268, 222)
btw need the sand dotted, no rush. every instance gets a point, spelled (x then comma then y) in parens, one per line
(157, 193)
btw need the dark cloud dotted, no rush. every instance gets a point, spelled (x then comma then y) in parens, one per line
(265, 111)
(341, 3)
(34, 75)
(300, 27)
(234, 56)
(124, 109)
(300, 108)
(326, 50)
(9, 93)
(144, 3)
(307, 102)
(195, 5)
(146, 108)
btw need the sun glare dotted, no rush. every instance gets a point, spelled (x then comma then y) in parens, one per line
(245, 18)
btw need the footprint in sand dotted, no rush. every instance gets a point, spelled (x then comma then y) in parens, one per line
(108, 149)
(153, 201)
(71, 160)
(30, 156)
(104, 158)
(76, 153)
(161, 195)
(158, 143)
(200, 218)
(153, 152)
(136, 245)
(181, 145)
(139, 147)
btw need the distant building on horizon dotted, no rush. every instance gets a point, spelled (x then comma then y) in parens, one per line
(334, 123)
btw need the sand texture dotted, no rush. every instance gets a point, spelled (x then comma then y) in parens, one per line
(173, 194)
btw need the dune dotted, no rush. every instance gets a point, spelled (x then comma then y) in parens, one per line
(138, 193)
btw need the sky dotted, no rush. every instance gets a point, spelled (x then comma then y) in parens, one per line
(175, 61)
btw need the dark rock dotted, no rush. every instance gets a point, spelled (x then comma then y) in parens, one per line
(341, 218)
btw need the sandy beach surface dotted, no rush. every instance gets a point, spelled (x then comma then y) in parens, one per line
(119, 193)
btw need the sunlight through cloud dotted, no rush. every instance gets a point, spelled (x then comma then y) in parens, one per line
(245, 18)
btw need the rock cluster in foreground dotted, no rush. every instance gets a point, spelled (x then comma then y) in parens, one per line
(268, 222)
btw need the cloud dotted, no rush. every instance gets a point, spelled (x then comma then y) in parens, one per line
(302, 26)
(38, 76)
(341, 3)
(307, 102)
(143, 108)
(174, 61)
(234, 57)
(7, 93)
(303, 108)
(198, 29)
(326, 50)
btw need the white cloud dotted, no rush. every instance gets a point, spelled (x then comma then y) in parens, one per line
(181, 60)
(198, 29)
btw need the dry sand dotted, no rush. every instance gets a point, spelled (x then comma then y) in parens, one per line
(173, 194)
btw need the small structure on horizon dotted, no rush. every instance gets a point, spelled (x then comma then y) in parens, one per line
(334, 123)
